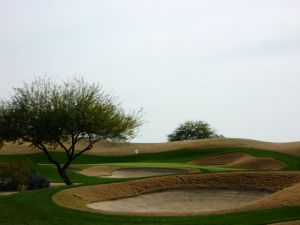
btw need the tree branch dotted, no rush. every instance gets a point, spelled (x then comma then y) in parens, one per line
(45, 150)
(88, 147)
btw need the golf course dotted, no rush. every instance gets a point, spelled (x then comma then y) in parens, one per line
(210, 181)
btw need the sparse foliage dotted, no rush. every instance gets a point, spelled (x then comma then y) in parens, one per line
(191, 130)
(51, 115)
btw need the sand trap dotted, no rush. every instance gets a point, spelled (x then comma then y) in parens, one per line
(180, 201)
(143, 172)
(130, 172)
(241, 160)
(272, 182)
(97, 171)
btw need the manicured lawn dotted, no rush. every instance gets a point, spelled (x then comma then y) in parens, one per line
(37, 208)
(173, 165)
(176, 156)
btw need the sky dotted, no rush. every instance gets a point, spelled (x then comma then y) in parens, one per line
(234, 64)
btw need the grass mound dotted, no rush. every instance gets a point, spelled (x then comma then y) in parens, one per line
(241, 160)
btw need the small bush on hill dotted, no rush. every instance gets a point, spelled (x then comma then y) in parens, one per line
(192, 130)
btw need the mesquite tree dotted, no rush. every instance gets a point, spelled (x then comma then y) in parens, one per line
(191, 130)
(53, 115)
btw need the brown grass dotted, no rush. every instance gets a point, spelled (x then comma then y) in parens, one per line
(78, 198)
(297, 222)
(104, 148)
(241, 160)
(288, 196)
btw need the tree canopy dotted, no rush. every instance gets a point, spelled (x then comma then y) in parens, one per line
(51, 115)
(191, 130)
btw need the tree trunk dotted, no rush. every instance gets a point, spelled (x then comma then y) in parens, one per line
(63, 175)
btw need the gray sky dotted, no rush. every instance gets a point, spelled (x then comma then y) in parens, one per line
(234, 64)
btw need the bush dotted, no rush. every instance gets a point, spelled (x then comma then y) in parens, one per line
(36, 181)
(19, 176)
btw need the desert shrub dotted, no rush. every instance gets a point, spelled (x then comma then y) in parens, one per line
(36, 181)
(19, 176)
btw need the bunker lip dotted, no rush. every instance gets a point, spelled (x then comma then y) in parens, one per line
(80, 197)
(241, 160)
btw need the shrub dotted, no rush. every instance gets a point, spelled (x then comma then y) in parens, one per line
(19, 176)
(36, 181)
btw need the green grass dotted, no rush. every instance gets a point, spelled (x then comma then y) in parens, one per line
(37, 208)
(51, 174)
(173, 165)
(180, 156)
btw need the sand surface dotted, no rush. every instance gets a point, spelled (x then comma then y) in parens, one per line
(181, 201)
(272, 182)
(241, 160)
(144, 172)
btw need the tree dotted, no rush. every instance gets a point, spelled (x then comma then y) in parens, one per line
(191, 130)
(51, 115)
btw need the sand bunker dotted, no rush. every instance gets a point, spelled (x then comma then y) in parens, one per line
(97, 171)
(144, 172)
(180, 201)
(241, 160)
(272, 182)
(129, 172)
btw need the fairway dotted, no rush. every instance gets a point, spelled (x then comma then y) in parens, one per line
(98, 169)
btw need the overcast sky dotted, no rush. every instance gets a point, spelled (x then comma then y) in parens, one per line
(234, 64)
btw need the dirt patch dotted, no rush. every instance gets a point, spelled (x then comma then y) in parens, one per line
(241, 160)
(78, 198)
(179, 202)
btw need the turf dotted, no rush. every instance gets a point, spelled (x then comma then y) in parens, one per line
(177, 156)
(37, 208)
(173, 165)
